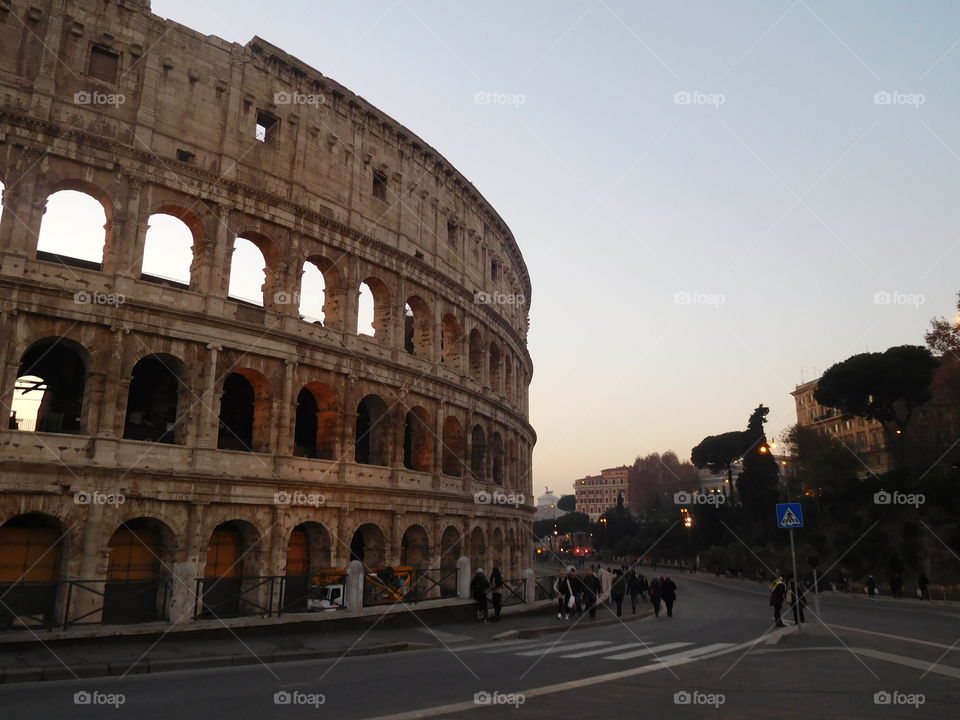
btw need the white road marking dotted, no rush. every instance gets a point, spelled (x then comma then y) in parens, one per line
(523, 646)
(515, 644)
(564, 686)
(563, 648)
(648, 651)
(894, 637)
(693, 652)
(601, 651)
(925, 665)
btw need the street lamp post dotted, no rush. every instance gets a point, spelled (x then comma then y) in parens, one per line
(688, 524)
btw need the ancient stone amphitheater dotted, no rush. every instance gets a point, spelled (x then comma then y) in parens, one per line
(194, 453)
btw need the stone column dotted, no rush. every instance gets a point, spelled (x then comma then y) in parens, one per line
(9, 365)
(187, 568)
(283, 443)
(84, 600)
(112, 412)
(208, 419)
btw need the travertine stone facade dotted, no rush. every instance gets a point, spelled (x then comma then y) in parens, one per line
(441, 398)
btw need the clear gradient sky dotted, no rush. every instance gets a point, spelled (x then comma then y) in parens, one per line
(779, 201)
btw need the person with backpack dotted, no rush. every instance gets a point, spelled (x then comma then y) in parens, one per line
(496, 592)
(478, 588)
(668, 591)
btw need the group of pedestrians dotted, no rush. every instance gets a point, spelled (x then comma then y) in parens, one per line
(577, 593)
(790, 593)
(480, 586)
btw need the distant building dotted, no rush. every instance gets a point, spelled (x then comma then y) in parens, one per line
(547, 507)
(597, 493)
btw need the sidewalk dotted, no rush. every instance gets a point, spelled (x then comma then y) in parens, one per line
(403, 629)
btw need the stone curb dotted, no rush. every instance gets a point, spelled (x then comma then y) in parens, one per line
(21, 675)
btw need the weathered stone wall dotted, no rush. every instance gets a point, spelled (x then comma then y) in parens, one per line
(175, 133)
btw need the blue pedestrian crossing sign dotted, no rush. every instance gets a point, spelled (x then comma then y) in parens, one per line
(789, 515)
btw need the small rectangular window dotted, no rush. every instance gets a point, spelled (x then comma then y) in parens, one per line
(379, 185)
(494, 269)
(185, 155)
(266, 127)
(103, 64)
(452, 233)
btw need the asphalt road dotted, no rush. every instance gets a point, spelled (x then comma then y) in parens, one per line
(715, 653)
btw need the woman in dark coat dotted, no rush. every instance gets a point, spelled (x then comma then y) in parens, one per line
(669, 592)
(655, 596)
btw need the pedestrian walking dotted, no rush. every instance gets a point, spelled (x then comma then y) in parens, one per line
(923, 585)
(496, 592)
(591, 591)
(567, 587)
(644, 588)
(618, 590)
(655, 596)
(478, 588)
(633, 587)
(871, 586)
(896, 585)
(798, 600)
(668, 591)
(778, 591)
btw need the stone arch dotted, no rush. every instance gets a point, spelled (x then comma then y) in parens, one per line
(478, 453)
(478, 549)
(157, 393)
(379, 309)
(244, 276)
(317, 422)
(418, 327)
(308, 554)
(32, 553)
(496, 458)
(454, 447)
(245, 412)
(451, 343)
(141, 551)
(496, 363)
(231, 570)
(372, 436)
(330, 286)
(451, 549)
(173, 234)
(418, 440)
(415, 548)
(368, 544)
(476, 355)
(76, 213)
(56, 368)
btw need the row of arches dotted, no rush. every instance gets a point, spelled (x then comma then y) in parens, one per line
(77, 225)
(135, 567)
(52, 385)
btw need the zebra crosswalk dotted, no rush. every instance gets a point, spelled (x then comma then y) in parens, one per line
(601, 649)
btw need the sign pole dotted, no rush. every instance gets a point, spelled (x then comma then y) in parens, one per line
(816, 593)
(796, 583)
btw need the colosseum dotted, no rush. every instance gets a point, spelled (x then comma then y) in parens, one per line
(191, 452)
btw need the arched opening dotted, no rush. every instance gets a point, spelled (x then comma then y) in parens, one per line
(321, 292)
(498, 559)
(248, 272)
(136, 589)
(415, 548)
(453, 447)
(156, 391)
(418, 441)
(315, 434)
(73, 230)
(478, 550)
(496, 458)
(308, 554)
(450, 552)
(244, 413)
(368, 545)
(476, 355)
(372, 438)
(451, 340)
(229, 576)
(373, 311)
(168, 247)
(417, 337)
(512, 472)
(478, 453)
(31, 546)
(50, 388)
(495, 364)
